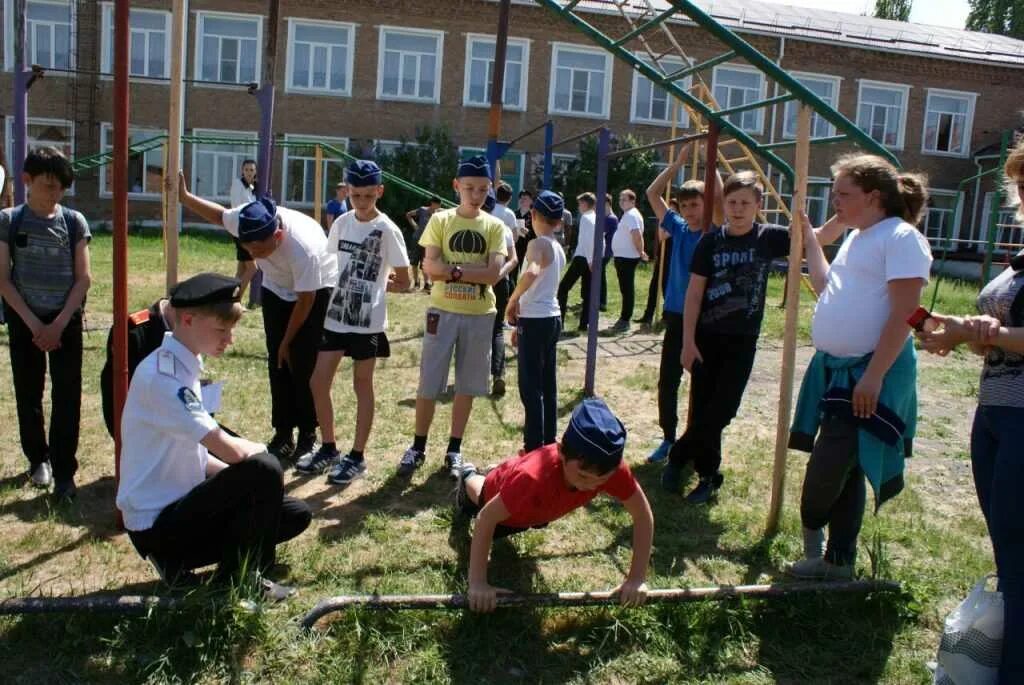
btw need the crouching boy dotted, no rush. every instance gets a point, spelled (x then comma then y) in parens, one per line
(544, 485)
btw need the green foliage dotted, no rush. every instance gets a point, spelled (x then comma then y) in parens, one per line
(897, 10)
(634, 171)
(1004, 17)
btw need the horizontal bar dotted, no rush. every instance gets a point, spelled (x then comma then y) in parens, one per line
(686, 71)
(530, 132)
(646, 25)
(785, 97)
(578, 136)
(115, 604)
(814, 141)
(681, 140)
(581, 599)
(572, 3)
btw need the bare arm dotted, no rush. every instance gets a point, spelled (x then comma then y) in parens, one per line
(816, 262)
(539, 256)
(210, 212)
(691, 313)
(303, 305)
(633, 590)
(482, 596)
(638, 243)
(511, 262)
(656, 191)
(400, 282)
(829, 232)
(410, 216)
(83, 280)
(228, 448)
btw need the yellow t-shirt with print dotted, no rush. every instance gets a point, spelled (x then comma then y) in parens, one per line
(465, 242)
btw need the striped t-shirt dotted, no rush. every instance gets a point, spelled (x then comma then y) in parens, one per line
(1002, 378)
(44, 262)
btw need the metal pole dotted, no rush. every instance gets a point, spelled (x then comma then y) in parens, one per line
(265, 98)
(122, 38)
(549, 139)
(711, 168)
(21, 75)
(172, 157)
(993, 215)
(497, 88)
(318, 190)
(597, 261)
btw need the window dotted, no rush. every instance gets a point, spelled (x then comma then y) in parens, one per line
(299, 182)
(57, 133)
(229, 47)
(511, 166)
(1009, 235)
(882, 112)
(818, 191)
(480, 72)
(389, 147)
(940, 223)
(150, 52)
(48, 33)
(320, 57)
(581, 81)
(215, 165)
(948, 119)
(651, 103)
(826, 88)
(145, 170)
(409, 65)
(734, 86)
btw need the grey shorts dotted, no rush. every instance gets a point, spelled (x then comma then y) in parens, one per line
(469, 337)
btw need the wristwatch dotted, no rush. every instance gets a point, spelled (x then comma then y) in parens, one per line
(456, 273)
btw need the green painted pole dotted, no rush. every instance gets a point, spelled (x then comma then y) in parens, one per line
(993, 215)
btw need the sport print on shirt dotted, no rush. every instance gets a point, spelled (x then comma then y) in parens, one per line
(359, 265)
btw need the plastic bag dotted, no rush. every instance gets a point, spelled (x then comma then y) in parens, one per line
(972, 639)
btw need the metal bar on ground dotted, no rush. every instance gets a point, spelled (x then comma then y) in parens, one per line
(578, 136)
(785, 97)
(796, 252)
(528, 133)
(651, 23)
(120, 604)
(707, 64)
(172, 161)
(585, 599)
(681, 140)
(814, 141)
(596, 261)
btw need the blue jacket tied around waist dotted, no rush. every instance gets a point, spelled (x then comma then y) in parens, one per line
(885, 439)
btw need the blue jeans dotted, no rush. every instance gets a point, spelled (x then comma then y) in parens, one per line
(538, 388)
(998, 465)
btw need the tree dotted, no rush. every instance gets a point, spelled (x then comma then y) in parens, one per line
(1003, 17)
(429, 162)
(897, 10)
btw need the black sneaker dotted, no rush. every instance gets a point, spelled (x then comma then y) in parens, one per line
(498, 387)
(316, 462)
(620, 326)
(346, 470)
(64, 490)
(453, 462)
(281, 446)
(463, 503)
(706, 489)
(411, 460)
(672, 478)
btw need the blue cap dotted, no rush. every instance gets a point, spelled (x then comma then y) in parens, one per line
(550, 205)
(362, 173)
(257, 220)
(474, 166)
(595, 431)
(490, 201)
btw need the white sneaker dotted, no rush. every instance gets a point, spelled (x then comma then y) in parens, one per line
(42, 475)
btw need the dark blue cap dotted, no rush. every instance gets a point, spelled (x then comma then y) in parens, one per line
(205, 288)
(550, 205)
(257, 220)
(490, 201)
(594, 430)
(362, 173)
(474, 166)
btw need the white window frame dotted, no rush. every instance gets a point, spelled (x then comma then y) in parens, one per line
(759, 112)
(955, 215)
(524, 43)
(606, 96)
(290, 86)
(1006, 211)
(106, 131)
(9, 36)
(201, 17)
(389, 145)
(481, 151)
(971, 99)
(9, 140)
(884, 85)
(790, 108)
(220, 133)
(338, 142)
(672, 65)
(438, 36)
(106, 44)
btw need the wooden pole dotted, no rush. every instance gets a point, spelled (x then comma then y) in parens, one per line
(172, 158)
(796, 251)
(318, 190)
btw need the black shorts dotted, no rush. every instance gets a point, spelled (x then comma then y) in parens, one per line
(241, 254)
(358, 346)
(415, 254)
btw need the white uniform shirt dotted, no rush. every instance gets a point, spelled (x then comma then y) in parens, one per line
(585, 236)
(506, 215)
(163, 422)
(301, 263)
(240, 193)
(622, 240)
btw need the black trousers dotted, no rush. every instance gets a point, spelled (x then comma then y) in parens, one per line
(670, 375)
(658, 279)
(625, 269)
(290, 397)
(502, 289)
(578, 268)
(604, 278)
(241, 514)
(718, 385)
(538, 385)
(28, 367)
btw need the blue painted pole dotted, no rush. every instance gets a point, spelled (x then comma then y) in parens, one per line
(265, 154)
(549, 140)
(21, 75)
(596, 263)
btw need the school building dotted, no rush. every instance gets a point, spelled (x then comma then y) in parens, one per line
(367, 74)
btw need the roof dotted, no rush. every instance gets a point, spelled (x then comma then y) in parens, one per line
(843, 28)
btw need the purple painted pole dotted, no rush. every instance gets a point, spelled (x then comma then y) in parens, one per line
(549, 139)
(596, 262)
(21, 75)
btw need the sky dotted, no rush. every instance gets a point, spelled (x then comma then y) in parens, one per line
(936, 12)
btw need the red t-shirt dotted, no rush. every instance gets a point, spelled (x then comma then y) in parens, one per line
(534, 490)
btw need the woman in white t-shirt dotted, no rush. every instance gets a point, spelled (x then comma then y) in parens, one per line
(864, 371)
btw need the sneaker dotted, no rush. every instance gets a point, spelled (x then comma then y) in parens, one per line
(620, 326)
(316, 462)
(706, 489)
(411, 460)
(281, 446)
(275, 592)
(672, 478)
(462, 501)
(644, 320)
(305, 444)
(41, 475)
(498, 387)
(660, 453)
(64, 490)
(453, 462)
(818, 568)
(426, 288)
(346, 470)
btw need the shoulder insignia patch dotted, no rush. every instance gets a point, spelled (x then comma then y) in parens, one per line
(165, 363)
(139, 318)
(189, 399)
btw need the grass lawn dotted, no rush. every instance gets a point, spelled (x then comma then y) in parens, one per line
(389, 536)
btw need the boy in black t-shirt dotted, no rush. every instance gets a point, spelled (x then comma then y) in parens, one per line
(721, 322)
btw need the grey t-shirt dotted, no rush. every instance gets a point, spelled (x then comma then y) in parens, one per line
(43, 262)
(1002, 378)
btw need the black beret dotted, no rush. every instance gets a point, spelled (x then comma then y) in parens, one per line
(205, 288)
